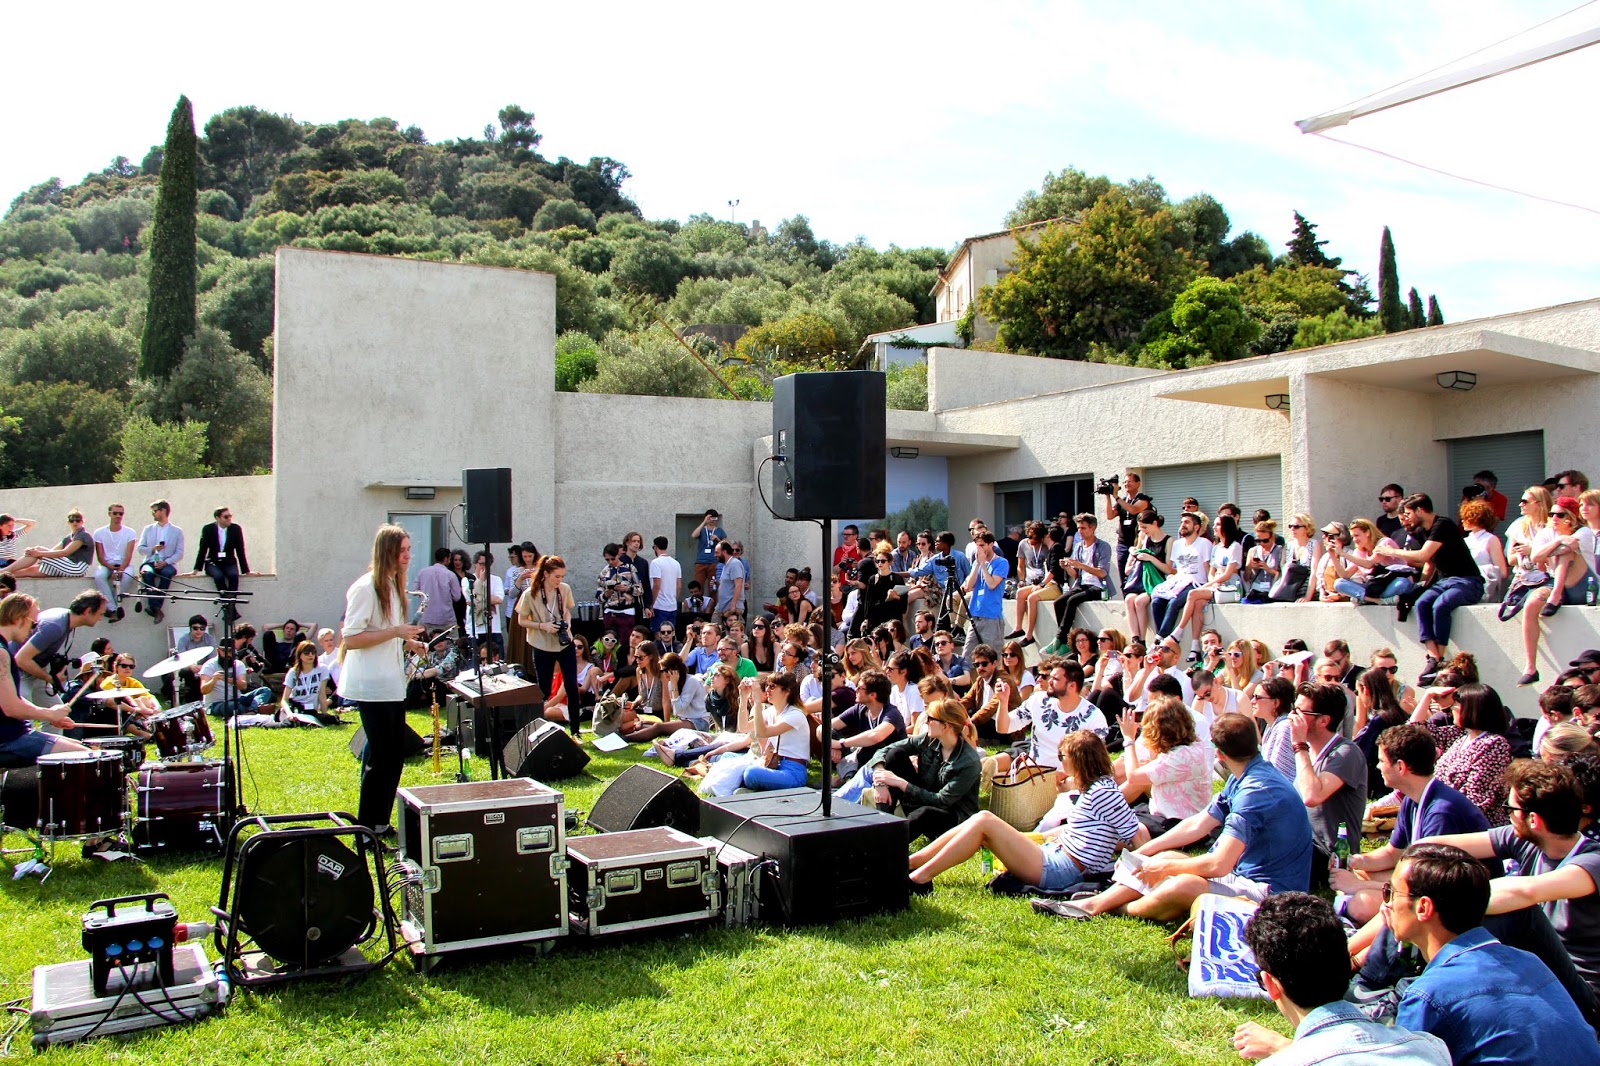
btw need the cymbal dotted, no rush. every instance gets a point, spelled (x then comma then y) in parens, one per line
(181, 661)
(116, 693)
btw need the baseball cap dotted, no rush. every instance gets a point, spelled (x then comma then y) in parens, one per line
(1587, 658)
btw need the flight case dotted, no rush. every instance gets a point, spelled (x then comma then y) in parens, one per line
(640, 879)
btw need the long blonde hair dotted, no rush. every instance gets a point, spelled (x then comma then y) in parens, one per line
(388, 577)
(1239, 677)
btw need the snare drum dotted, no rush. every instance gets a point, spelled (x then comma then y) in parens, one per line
(180, 731)
(186, 805)
(81, 793)
(130, 748)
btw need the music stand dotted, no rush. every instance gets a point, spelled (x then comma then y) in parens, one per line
(227, 604)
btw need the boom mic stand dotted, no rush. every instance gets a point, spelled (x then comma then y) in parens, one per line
(227, 604)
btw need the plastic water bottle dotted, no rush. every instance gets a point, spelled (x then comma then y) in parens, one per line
(1341, 848)
(985, 861)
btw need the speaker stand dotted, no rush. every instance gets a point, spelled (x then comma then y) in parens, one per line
(827, 687)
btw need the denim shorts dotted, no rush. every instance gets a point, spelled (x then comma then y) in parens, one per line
(1060, 872)
(29, 745)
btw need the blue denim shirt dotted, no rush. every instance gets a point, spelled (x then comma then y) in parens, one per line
(1491, 1003)
(1261, 808)
(1339, 1032)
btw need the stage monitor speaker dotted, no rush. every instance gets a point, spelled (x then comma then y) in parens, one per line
(543, 751)
(487, 496)
(410, 741)
(830, 429)
(645, 798)
(845, 866)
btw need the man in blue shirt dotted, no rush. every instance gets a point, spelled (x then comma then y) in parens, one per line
(1299, 948)
(985, 586)
(1264, 847)
(1488, 1002)
(707, 535)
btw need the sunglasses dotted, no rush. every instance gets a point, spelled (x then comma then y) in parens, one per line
(1561, 514)
(115, 514)
(983, 662)
(941, 644)
(1103, 640)
(1391, 499)
(757, 628)
(1235, 655)
(1390, 895)
(1009, 655)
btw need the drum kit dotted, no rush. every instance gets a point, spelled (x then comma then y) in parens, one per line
(182, 799)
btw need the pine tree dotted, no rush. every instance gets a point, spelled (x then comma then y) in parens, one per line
(1305, 249)
(1435, 316)
(1414, 311)
(170, 316)
(1391, 311)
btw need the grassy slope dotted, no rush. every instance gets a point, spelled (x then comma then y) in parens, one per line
(960, 977)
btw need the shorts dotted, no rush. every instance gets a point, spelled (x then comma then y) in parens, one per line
(1060, 872)
(30, 745)
(1047, 592)
(1239, 885)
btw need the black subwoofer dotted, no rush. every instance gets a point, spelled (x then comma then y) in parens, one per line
(646, 798)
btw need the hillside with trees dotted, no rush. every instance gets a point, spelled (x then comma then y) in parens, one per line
(136, 306)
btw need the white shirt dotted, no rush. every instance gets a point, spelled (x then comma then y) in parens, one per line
(376, 674)
(1051, 723)
(169, 535)
(1191, 560)
(497, 590)
(213, 668)
(670, 573)
(114, 544)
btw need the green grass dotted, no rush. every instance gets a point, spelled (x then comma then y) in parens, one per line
(962, 976)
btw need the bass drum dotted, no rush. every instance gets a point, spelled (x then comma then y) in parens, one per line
(81, 793)
(183, 806)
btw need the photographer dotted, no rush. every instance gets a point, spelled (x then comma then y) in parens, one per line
(1125, 504)
(545, 611)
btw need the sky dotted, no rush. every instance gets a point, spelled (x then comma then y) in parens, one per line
(901, 123)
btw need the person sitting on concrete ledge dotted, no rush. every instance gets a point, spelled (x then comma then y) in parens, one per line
(1264, 846)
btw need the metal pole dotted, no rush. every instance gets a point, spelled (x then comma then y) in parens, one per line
(827, 687)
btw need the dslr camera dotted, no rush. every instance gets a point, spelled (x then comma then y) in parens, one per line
(1473, 491)
(1107, 486)
(564, 633)
(945, 561)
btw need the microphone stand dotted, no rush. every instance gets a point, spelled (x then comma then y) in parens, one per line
(827, 687)
(227, 604)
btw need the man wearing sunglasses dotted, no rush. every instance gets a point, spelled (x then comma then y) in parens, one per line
(988, 695)
(1388, 523)
(113, 549)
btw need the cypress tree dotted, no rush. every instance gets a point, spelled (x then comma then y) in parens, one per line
(1391, 311)
(1435, 316)
(1414, 311)
(1305, 249)
(169, 317)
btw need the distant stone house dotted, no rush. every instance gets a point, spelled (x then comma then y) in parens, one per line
(979, 261)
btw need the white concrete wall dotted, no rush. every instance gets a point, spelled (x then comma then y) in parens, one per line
(962, 377)
(389, 369)
(1359, 438)
(1497, 645)
(193, 501)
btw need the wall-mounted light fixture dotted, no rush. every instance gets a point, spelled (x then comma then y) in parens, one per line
(1460, 380)
(1277, 401)
(905, 453)
(419, 492)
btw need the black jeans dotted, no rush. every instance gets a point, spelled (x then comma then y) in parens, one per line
(925, 821)
(544, 665)
(1067, 605)
(225, 573)
(381, 760)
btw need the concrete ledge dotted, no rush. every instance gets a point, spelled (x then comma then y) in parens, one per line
(1496, 644)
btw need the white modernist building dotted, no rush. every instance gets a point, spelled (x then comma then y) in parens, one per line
(393, 375)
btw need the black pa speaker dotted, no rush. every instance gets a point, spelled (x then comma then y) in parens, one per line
(410, 741)
(487, 495)
(645, 798)
(543, 751)
(830, 429)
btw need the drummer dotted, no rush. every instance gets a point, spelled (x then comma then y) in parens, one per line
(20, 743)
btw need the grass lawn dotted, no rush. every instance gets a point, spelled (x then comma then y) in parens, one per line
(962, 976)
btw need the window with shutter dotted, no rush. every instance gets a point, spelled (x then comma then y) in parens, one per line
(1259, 483)
(1208, 483)
(1517, 460)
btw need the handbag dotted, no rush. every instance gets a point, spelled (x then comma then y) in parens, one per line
(1526, 582)
(1025, 795)
(771, 759)
(1291, 584)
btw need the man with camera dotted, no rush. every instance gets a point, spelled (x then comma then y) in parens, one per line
(985, 587)
(1125, 504)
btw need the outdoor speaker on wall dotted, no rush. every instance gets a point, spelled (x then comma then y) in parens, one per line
(487, 495)
(830, 428)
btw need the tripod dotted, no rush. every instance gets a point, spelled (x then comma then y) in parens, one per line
(952, 607)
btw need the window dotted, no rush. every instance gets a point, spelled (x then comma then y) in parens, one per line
(427, 533)
(1250, 483)
(1016, 502)
(1517, 460)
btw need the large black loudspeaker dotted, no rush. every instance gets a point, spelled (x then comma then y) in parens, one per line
(844, 866)
(543, 751)
(645, 798)
(487, 495)
(830, 427)
(411, 741)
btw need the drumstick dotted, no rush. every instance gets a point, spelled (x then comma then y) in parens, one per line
(95, 725)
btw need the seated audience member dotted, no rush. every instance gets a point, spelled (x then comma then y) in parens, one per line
(1488, 1002)
(70, 558)
(1263, 561)
(429, 683)
(1013, 667)
(1299, 949)
(778, 725)
(1377, 709)
(951, 665)
(1272, 704)
(213, 692)
(1187, 565)
(696, 606)
(1330, 771)
(721, 699)
(1556, 705)
(1264, 846)
(1564, 558)
(1082, 833)
(1165, 760)
(1084, 570)
(1562, 742)
(1558, 866)
(1223, 582)
(1240, 670)
(1428, 808)
(904, 671)
(990, 690)
(1048, 715)
(1211, 698)
(1456, 581)
(1035, 580)
(933, 777)
(1474, 752)
(1477, 523)
(868, 726)
(305, 688)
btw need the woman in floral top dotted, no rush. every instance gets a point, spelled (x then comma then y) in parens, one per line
(1474, 753)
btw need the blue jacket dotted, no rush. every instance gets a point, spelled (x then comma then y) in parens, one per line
(1339, 1032)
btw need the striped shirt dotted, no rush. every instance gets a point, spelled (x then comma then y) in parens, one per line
(1099, 821)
